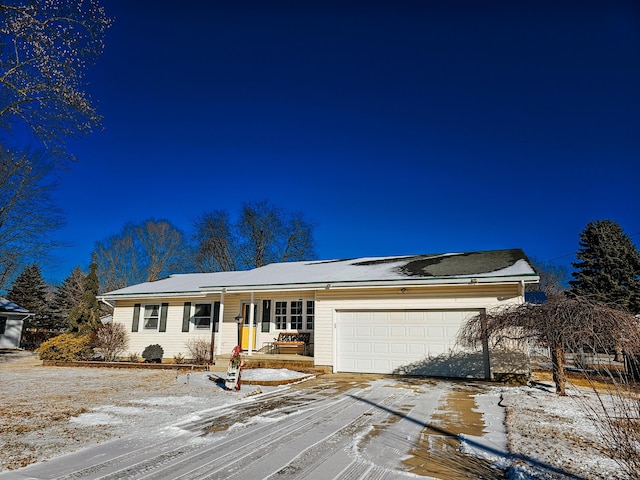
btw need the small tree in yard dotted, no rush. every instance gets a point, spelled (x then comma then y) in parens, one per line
(562, 324)
(111, 339)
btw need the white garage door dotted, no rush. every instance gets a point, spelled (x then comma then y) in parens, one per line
(406, 341)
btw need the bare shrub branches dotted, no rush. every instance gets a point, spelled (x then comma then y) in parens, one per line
(199, 350)
(111, 339)
(562, 324)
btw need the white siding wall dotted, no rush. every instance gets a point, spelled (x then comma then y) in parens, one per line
(12, 332)
(174, 340)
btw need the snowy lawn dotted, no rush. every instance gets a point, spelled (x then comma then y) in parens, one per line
(49, 411)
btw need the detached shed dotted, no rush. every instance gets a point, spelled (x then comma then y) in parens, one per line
(12, 319)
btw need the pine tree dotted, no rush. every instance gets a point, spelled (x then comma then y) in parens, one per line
(608, 269)
(67, 296)
(29, 290)
(85, 316)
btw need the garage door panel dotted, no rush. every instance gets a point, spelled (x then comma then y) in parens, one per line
(346, 347)
(416, 332)
(397, 341)
(398, 331)
(436, 332)
(417, 349)
(380, 331)
(398, 348)
(381, 348)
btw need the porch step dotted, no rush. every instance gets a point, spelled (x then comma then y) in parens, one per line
(298, 363)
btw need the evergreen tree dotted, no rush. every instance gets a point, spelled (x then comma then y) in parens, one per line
(608, 269)
(84, 317)
(29, 290)
(67, 296)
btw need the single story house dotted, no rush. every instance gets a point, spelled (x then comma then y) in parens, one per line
(12, 319)
(396, 314)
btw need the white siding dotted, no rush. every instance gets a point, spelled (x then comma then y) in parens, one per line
(12, 332)
(174, 340)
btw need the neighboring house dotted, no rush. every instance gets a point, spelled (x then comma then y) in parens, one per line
(12, 318)
(371, 315)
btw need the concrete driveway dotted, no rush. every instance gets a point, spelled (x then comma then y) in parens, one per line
(332, 427)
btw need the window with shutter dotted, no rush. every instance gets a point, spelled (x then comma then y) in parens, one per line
(151, 317)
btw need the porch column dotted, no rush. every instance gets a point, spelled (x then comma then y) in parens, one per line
(219, 320)
(251, 323)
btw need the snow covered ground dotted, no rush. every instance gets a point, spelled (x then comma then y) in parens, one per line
(49, 411)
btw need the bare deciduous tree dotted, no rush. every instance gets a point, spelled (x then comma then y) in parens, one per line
(562, 324)
(552, 277)
(263, 234)
(216, 242)
(27, 213)
(46, 47)
(141, 253)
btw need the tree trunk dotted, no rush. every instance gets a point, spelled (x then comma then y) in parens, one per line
(558, 361)
(619, 354)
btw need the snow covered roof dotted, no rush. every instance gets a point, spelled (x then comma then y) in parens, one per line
(482, 267)
(10, 307)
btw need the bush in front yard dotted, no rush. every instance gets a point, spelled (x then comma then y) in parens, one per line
(199, 350)
(65, 348)
(153, 353)
(111, 339)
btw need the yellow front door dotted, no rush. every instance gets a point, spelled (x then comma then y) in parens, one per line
(247, 331)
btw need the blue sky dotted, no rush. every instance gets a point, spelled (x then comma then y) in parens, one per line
(395, 127)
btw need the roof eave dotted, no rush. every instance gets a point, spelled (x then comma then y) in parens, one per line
(447, 281)
(404, 282)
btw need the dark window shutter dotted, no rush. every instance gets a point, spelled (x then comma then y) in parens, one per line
(136, 317)
(216, 314)
(266, 316)
(186, 316)
(163, 317)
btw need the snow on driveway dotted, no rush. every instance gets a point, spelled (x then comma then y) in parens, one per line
(330, 427)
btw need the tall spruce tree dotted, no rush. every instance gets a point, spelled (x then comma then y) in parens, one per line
(67, 296)
(85, 316)
(608, 269)
(29, 290)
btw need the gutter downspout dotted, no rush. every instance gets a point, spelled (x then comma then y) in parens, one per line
(106, 303)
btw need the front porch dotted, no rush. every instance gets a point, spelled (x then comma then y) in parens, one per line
(302, 363)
